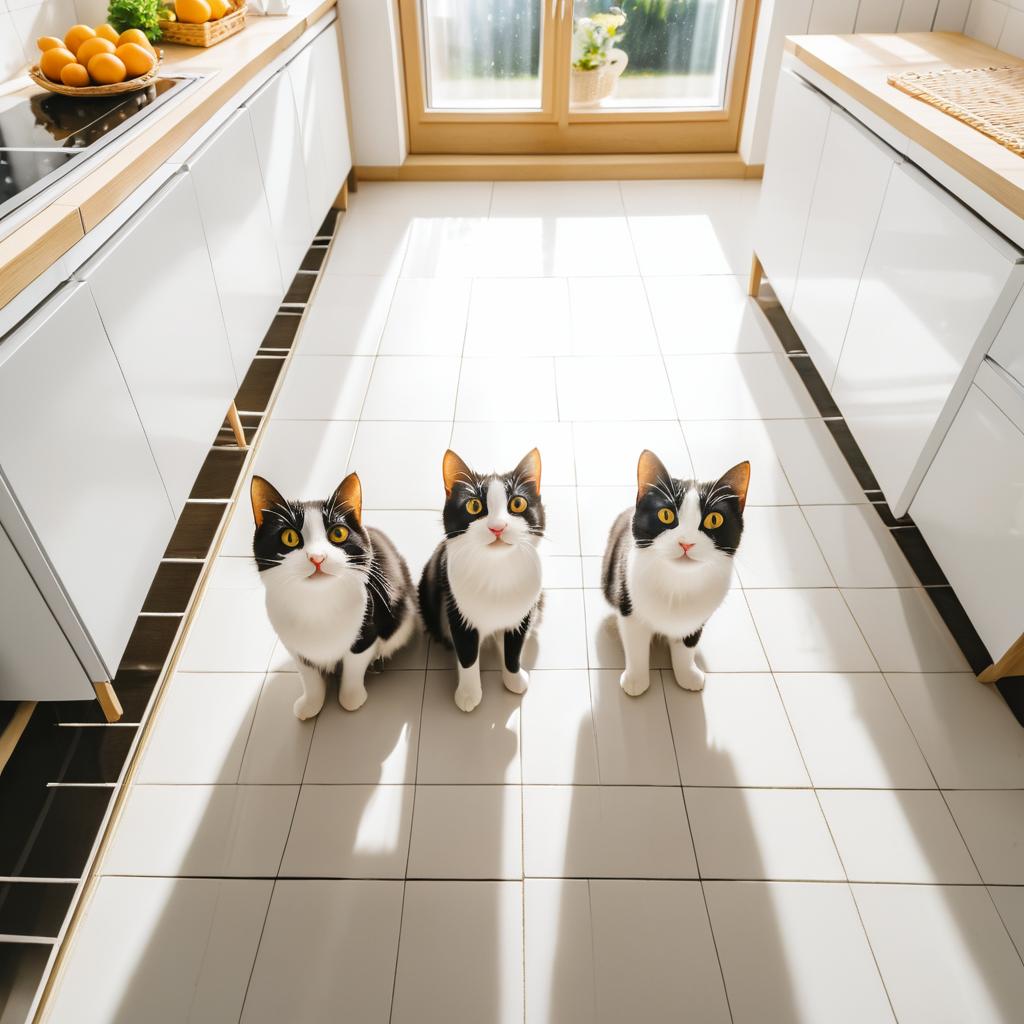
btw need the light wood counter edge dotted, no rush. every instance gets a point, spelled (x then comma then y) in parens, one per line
(33, 248)
(982, 161)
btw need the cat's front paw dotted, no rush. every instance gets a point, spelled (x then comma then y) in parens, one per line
(306, 707)
(516, 682)
(353, 699)
(690, 678)
(634, 684)
(466, 699)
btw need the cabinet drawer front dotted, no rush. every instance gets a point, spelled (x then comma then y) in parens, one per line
(970, 508)
(77, 459)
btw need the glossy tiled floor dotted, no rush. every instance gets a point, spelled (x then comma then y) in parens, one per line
(830, 832)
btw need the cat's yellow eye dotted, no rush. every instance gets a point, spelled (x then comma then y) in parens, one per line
(474, 506)
(713, 520)
(667, 516)
(290, 539)
(517, 504)
(338, 534)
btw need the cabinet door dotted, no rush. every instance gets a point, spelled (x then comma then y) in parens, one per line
(852, 178)
(275, 124)
(1008, 348)
(236, 218)
(799, 123)
(154, 287)
(77, 459)
(934, 281)
(970, 508)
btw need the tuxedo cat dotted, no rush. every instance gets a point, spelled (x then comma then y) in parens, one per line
(484, 578)
(668, 565)
(338, 594)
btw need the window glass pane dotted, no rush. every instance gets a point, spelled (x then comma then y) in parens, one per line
(677, 54)
(482, 54)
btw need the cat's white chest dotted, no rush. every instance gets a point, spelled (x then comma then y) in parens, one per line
(319, 621)
(672, 600)
(495, 591)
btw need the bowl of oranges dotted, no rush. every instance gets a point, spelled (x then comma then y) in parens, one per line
(96, 61)
(202, 22)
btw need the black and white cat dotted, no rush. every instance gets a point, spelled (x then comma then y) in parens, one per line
(668, 565)
(484, 578)
(338, 594)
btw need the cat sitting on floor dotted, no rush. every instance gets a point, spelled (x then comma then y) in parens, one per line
(338, 593)
(668, 564)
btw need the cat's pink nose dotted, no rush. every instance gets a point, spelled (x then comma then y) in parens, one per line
(318, 561)
(496, 530)
(686, 547)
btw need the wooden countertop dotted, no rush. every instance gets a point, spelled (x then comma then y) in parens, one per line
(37, 244)
(860, 65)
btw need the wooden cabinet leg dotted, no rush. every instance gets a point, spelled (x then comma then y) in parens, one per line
(1010, 664)
(11, 732)
(110, 705)
(756, 276)
(236, 426)
(341, 203)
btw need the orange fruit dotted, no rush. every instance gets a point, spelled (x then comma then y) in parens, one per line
(52, 61)
(49, 42)
(74, 74)
(192, 12)
(218, 8)
(137, 59)
(108, 32)
(134, 35)
(106, 69)
(91, 47)
(77, 35)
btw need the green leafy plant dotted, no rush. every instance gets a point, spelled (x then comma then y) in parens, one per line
(141, 14)
(593, 38)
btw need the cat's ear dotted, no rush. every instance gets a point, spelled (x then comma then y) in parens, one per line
(529, 469)
(650, 472)
(264, 496)
(454, 469)
(348, 497)
(737, 480)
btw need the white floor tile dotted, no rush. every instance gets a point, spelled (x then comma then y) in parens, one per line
(905, 631)
(654, 955)
(446, 247)
(968, 734)
(1009, 901)
(346, 317)
(350, 832)
(859, 549)
(562, 522)
(816, 468)
(590, 247)
(278, 744)
(673, 245)
(613, 388)
(607, 452)
(561, 199)
(419, 485)
(943, 953)
(794, 952)
(365, 244)
(809, 631)
(779, 550)
(761, 834)
(201, 830)
(498, 447)
(507, 389)
(423, 199)
(513, 247)
(327, 945)
(751, 386)
(634, 742)
(559, 745)
(852, 733)
(519, 316)
(201, 728)
(323, 388)
(414, 532)
(162, 950)
(467, 832)
(897, 836)
(559, 640)
(992, 823)
(481, 747)
(562, 572)
(610, 315)
(606, 832)
(697, 315)
(427, 318)
(230, 633)
(461, 954)
(734, 733)
(599, 507)
(412, 388)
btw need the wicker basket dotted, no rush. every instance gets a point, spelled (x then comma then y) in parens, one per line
(129, 85)
(588, 88)
(207, 34)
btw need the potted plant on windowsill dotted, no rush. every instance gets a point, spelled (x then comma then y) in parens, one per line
(596, 62)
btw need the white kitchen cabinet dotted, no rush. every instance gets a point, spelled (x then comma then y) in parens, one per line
(275, 124)
(76, 458)
(320, 100)
(970, 507)
(154, 287)
(799, 123)
(852, 179)
(936, 285)
(1008, 348)
(239, 234)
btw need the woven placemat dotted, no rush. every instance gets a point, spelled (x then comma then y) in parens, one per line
(988, 99)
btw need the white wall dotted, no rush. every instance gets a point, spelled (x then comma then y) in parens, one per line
(999, 23)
